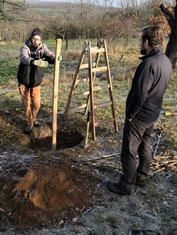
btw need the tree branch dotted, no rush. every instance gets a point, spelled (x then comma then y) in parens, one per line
(169, 16)
(7, 9)
(17, 4)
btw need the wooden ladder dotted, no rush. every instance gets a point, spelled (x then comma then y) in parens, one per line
(89, 53)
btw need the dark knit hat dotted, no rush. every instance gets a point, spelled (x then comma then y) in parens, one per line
(36, 31)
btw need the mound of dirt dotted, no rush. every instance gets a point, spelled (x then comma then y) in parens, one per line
(37, 192)
(63, 191)
(42, 191)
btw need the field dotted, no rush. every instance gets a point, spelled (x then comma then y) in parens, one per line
(64, 191)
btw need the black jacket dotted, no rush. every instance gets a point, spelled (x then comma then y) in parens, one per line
(28, 74)
(151, 78)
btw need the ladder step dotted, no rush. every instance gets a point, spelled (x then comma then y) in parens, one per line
(86, 66)
(102, 104)
(103, 121)
(81, 93)
(97, 50)
(95, 88)
(78, 107)
(99, 69)
(83, 66)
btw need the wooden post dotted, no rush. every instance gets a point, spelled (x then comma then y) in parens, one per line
(110, 87)
(91, 92)
(55, 93)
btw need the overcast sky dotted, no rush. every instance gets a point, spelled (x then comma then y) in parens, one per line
(116, 3)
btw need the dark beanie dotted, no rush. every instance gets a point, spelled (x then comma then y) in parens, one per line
(36, 31)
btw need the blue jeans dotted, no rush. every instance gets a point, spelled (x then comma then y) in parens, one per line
(136, 143)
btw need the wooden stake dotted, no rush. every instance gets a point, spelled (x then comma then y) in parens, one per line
(87, 130)
(55, 93)
(91, 92)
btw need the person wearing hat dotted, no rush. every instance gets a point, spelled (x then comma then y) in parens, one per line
(34, 56)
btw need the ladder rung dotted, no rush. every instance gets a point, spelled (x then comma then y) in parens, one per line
(78, 107)
(83, 66)
(97, 50)
(81, 93)
(95, 88)
(102, 104)
(98, 69)
(78, 80)
(103, 121)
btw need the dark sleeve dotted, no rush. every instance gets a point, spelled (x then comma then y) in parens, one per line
(48, 55)
(141, 85)
(50, 60)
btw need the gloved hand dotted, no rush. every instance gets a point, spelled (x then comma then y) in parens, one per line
(40, 63)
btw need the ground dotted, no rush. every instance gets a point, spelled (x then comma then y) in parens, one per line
(64, 191)
(46, 189)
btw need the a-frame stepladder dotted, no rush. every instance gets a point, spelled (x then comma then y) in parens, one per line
(88, 53)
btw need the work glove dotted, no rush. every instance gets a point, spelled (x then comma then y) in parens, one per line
(40, 63)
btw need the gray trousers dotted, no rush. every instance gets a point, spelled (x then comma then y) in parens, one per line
(136, 144)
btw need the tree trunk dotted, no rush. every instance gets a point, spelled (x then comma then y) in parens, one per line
(171, 49)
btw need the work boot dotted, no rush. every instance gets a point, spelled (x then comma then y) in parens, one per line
(141, 180)
(120, 188)
(37, 124)
(28, 128)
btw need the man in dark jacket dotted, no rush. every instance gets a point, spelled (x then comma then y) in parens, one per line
(143, 106)
(34, 55)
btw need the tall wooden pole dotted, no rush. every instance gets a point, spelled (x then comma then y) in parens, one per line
(55, 93)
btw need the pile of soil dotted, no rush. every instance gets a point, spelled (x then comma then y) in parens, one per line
(39, 192)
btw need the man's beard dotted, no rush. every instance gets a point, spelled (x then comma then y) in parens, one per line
(143, 51)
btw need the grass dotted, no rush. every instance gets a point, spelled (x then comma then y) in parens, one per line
(123, 62)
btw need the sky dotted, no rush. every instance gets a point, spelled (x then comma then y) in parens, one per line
(116, 3)
(100, 2)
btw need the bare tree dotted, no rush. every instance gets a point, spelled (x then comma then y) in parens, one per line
(171, 15)
(10, 8)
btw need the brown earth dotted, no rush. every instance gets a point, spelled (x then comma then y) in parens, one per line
(45, 192)
(41, 189)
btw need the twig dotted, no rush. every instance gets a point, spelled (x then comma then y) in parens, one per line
(102, 157)
(136, 192)
(158, 142)
(159, 170)
(157, 157)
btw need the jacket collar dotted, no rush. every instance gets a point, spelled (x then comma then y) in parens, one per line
(155, 51)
